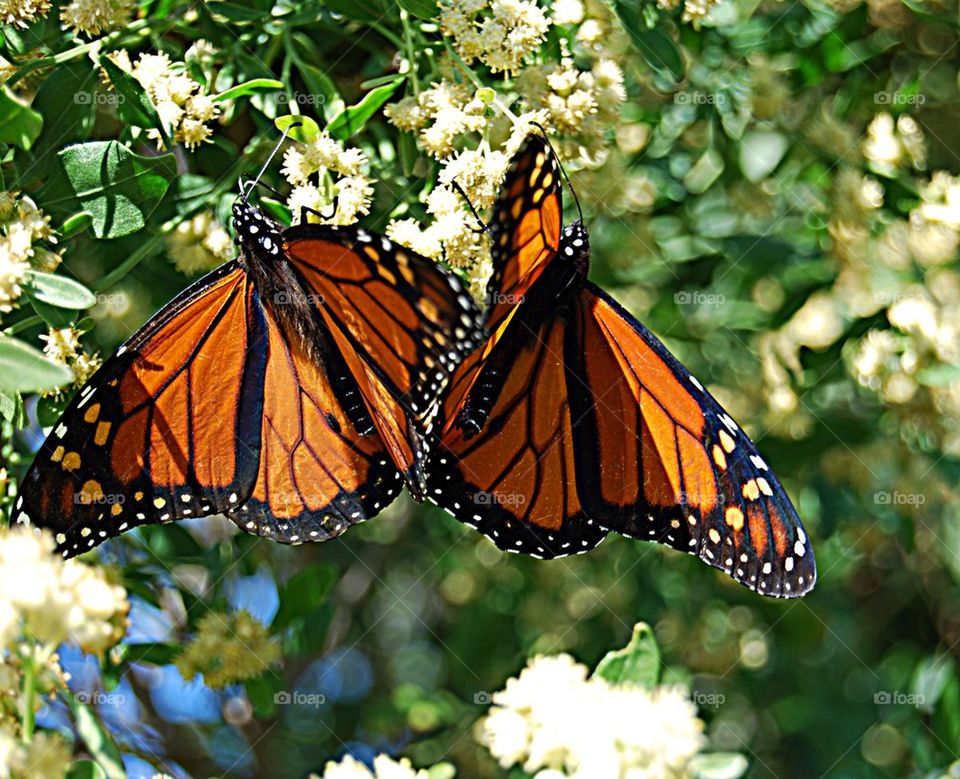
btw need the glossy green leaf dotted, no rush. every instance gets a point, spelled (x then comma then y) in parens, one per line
(423, 9)
(25, 369)
(637, 663)
(57, 290)
(97, 739)
(248, 88)
(20, 125)
(354, 118)
(85, 769)
(133, 104)
(119, 188)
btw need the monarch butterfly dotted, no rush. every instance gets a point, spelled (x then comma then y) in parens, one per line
(573, 420)
(292, 388)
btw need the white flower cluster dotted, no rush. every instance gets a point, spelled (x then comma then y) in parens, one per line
(22, 13)
(180, 101)
(383, 768)
(889, 144)
(557, 722)
(47, 756)
(93, 17)
(63, 345)
(22, 225)
(53, 600)
(339, 175)
(498, 33)
(198, 244)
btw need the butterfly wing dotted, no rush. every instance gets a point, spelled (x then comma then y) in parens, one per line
(322, 467)
(511, 473)
(659, 459)
(526, 226)
(401, 322)
(167, 428)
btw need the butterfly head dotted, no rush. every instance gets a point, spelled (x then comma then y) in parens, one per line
(253, 230)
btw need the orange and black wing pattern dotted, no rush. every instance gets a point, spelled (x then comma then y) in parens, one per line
(526, 226)
(168, 428)
(511, 471)
(402, 324)
(659, 459)
(322, 467)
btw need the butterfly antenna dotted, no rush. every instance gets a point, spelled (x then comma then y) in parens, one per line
(483, 225)
(245, 193)
(563, 171)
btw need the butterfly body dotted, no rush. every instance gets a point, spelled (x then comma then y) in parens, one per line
(573, 420)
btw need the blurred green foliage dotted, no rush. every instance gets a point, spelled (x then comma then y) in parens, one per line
(767, 204)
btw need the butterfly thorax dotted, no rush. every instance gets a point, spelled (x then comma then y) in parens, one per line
(280, 288)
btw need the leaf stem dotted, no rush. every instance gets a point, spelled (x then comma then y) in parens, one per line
(29, 695)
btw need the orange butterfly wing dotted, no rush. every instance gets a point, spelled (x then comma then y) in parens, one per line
(668, 464)
(151, 437)
(402, 324)
(515, 481)
(322, 466)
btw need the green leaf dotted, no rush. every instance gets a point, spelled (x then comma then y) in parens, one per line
(119, 188)
(358, 10)
(238, 14)
(306, 132)
(98, 741)
(58, 290)
(655, 46)
(304, 592)
(76, 224)
(353, 119)
(760, 153)
(157, 654)
(50, 408)
(20, 125)
(85, 769)
(52, 315)
(12, 409)
(25, 369)
(133, 104)
(718, 765)
(423, 9)
(637, 663)
(248, 88)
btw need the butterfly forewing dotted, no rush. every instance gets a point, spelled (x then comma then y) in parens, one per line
(166, 429)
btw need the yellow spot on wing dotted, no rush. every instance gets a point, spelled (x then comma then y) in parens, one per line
(116, 509)
(764, 485)
(57, 455)
(751, 491)
(159, 502)
(714, 535)
(71, 461)
(100, 436)
(727, 442)
(734, 517)
(719, 457)
(91, 492)
(92, 413)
